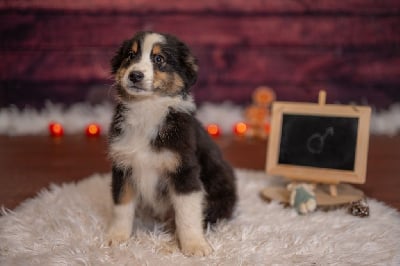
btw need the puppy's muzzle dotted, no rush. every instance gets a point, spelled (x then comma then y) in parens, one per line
(136, 76)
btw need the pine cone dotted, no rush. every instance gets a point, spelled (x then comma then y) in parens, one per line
(359, 208)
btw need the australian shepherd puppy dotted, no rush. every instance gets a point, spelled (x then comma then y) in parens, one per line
(162, 158)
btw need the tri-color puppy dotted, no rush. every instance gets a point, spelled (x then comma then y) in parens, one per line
(163, 160)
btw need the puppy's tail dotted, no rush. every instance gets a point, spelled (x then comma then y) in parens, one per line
(221, 195)
(221, 208)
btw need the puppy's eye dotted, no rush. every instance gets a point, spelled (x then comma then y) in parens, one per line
(158, 59)
(131, 55)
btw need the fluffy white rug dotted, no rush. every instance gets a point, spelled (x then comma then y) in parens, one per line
(65, 225)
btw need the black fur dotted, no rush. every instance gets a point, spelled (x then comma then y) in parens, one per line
(121, 57)
(117, 121)
(202, 164)
(180, 58)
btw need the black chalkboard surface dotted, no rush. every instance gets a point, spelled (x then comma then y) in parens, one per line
(322, 143)
(318, 141)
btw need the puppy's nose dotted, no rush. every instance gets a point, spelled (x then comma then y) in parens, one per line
(136, 76)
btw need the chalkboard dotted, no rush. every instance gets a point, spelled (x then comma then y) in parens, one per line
(322, 143)
(318, 141)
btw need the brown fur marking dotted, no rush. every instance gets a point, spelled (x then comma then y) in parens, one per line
(120, 74)
(135, 47)
(160, 80)
(156, 49)
(178, 82)
(126, 193)
(167, 83)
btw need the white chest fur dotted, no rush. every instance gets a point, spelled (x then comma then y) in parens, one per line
(133, 148)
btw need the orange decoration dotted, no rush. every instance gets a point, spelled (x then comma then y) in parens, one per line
(267, 128)
(264, 96)
(213, 130)
(92, 130)
(56, 129)
(257, 114)
(240, 129)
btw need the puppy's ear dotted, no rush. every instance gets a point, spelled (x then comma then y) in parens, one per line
(191, 68)
(119, 56)
(188, 61)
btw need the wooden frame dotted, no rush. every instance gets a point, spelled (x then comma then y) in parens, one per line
(315, 174)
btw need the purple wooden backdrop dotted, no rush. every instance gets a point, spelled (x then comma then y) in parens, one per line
(60, 50)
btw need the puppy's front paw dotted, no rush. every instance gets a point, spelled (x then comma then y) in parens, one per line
(117, 235)
(198, 247)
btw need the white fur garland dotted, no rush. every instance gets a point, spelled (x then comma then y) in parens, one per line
(30, 121)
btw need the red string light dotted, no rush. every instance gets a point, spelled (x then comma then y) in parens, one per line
(92, 130)
(214, 130)
(56, 129)
(240, 129)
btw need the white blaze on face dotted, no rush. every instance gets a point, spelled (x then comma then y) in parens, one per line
(145, 64)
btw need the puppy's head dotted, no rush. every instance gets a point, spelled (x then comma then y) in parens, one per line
(153, 64)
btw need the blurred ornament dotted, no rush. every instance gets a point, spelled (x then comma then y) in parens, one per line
(263, 96)
(213, 130)
(56, 129)
(257, 114)
(92, 130)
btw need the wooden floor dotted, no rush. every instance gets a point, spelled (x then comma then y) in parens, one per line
(30, 163)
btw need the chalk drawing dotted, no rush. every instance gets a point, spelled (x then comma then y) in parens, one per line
(316, 142)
